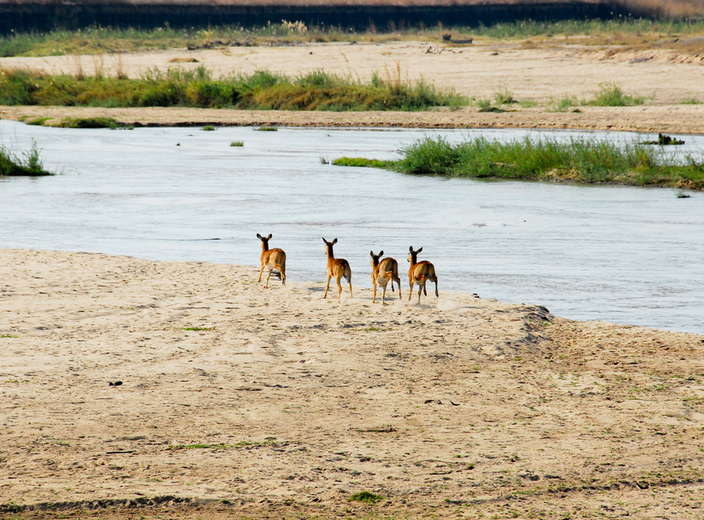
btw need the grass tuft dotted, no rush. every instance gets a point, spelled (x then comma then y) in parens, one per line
(611, 95)
(366, 496)
(237, 143)
(28, 164)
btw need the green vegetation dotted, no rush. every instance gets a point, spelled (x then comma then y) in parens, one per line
(366, 496)
(28, 164)
(237, 143)
(90, 122)
(611, 95)
(546, 159)
(261, 90)
(39, 121)
(208, 128)
(267, 129)
(359, 161)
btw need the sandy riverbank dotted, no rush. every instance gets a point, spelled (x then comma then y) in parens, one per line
(252, 403)
(537, 77)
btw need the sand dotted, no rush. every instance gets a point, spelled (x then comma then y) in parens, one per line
(242, 402)
(541, 76)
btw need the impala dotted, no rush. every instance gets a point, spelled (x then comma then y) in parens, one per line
(273, 259)
(420, 273)
(337, 267)
(384, 271)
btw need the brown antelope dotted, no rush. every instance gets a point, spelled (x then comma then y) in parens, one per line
(273, 259)
(420, 273)
(384, 272)
(337, 267)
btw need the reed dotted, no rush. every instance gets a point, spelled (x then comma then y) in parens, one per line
(261, 90)
(545, 159)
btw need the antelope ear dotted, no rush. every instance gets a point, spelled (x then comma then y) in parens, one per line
(371, 253)
(421, 249)
(324, 240)
(259, 236)
(269, 237)
(410, 249)
(381, 253)
(334, 242)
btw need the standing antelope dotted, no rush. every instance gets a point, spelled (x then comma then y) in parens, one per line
(337, 267)
(420, 273)
(273, 259)
(384, 272)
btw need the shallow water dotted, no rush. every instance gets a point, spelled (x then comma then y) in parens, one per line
(626, 255)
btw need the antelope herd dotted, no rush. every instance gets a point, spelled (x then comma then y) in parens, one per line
(384, 270)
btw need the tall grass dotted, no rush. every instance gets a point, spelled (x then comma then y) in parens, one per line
(580, 160)
(261, 90)
(28, 164)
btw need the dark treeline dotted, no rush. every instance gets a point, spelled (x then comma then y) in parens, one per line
(24, 17)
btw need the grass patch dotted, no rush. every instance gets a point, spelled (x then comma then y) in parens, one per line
(361, 162)
(611, 95)
(208, 128)
(197, 329)
(366, 496)
(690, 101)
(39, 121)
(267, 129)
(546, 159)
(29, 164)
(90, 122)
(260, 90)
(237, 143)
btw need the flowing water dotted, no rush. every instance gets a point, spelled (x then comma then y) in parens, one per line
(619, 254)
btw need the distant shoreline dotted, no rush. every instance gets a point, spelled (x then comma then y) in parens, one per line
(650, 119)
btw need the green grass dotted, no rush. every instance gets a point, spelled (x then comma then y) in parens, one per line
(359, 161)
(208, 128)
(237, 143)
(547, 159)
(366, 496)
(261, 90)
(611, 95)
(89, 122)
(28, 164)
